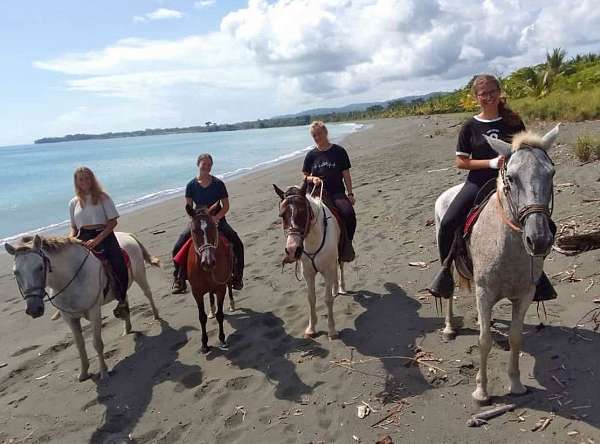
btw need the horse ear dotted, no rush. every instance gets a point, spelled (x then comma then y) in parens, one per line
(279, 191)
(37, 242)
(189, 210)
(500, 146)
(304, 186)
(9, 249)
(550, 137)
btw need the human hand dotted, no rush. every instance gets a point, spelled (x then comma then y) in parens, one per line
(92, 243)
(317, 181)
(497, 162)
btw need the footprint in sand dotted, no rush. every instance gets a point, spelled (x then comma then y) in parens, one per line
(239, 383)
(24, 350)
(205, 388)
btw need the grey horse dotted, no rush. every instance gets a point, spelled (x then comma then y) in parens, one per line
(508, 245)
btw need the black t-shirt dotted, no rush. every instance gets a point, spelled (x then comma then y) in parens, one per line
(205, 197)
(328, 165)
(471, 143)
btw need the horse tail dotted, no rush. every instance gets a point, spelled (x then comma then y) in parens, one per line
(148, 258)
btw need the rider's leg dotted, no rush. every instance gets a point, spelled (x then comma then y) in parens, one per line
(453, 220)
(238, 251)
(112, 252)
(346, 210)
(179, 285)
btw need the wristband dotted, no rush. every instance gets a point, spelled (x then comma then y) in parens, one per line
(494, 163)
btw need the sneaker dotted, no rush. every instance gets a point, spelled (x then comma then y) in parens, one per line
(179, 286)
(121, 311)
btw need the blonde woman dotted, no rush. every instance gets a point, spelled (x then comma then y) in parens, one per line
(328, 164)
(93, 218)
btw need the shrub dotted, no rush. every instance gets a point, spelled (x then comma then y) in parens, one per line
(583, 147)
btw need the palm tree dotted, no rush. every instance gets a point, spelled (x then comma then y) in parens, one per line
(555, 60)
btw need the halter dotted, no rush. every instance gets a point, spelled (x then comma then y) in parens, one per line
(208, 246)
(40, 292)
(309, 216)
(516, 219)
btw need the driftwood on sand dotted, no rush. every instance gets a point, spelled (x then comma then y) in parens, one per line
(481, 418)
(571, 244)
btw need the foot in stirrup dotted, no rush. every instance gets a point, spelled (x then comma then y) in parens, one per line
(443, 284)
(121, 311)
(544, 291)
(237, 282)
(347, 254)
(179, 286)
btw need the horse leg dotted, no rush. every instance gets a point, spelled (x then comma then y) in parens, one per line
(484, 309)
(96, 320)
(330, 280)
(220, 316)
(142, 281)
(75, 326)
(202, 315)
(310, 331)
(449, 332)
(211, 311)
(341, 284)
(231, 301)
(519, 309)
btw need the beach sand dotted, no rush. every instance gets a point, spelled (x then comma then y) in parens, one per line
(273, 386)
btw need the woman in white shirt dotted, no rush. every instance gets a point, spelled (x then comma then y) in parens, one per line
(93, 220)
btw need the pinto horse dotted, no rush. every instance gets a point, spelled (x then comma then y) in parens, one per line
(209, 267)
(312, 237)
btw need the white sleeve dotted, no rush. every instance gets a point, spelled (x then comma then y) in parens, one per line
(110, 210)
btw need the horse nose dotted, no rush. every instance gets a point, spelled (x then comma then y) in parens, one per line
(35, 312)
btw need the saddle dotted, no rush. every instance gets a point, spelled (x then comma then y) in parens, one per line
(342, 225)
(109, 270)
(181, 257)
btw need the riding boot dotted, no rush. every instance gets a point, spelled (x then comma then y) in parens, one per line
(442, 285)
(544, 291)
(347, 254)
(121, 311)
(237, 278)
(179, 284)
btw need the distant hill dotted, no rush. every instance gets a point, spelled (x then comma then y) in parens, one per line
(357, 107)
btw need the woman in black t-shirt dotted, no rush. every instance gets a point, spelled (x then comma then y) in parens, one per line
(209, 191)
(329, 164)
(474, 154)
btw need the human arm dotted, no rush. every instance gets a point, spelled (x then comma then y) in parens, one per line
(466, 163)
(109, 227)
(348, 182)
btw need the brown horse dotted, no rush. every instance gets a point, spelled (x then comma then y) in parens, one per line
(209, 267)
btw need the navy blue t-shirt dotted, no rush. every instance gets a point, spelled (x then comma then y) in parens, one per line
(206, 197)
(328, 165)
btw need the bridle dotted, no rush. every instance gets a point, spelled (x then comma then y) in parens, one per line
(303, 233)
(40, 292)
(208, 246)
(517, 217)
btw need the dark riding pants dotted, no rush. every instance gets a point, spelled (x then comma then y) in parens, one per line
(111, 250)
(346, 210)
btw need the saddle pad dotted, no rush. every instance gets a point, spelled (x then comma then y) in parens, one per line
(102, 258)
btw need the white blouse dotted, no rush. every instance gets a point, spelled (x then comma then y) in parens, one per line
(92, 214)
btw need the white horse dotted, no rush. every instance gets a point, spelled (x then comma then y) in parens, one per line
(77, 281)
(312, 236)
(508, 245)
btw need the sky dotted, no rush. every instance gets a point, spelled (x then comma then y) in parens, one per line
(112, 65)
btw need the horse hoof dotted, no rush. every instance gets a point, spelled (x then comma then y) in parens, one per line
(211, 315)
(518, 389)
(84, 377)
(310, 335)
(334, 337)
(480, 398)
(224, 346)
(449, 335)
(342, 291)
(232, 308)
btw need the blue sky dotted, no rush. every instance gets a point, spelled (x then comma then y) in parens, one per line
(72, 66)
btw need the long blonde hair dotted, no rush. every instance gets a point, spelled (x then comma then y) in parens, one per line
(96, 190)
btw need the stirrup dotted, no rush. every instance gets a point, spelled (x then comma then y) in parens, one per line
(121, 311)
(179, 286)
(442, 285)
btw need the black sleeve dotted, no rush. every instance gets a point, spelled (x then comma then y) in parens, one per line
(464, 146)
(223, 191)
(188, 189)
(344, 160)
(308, 162)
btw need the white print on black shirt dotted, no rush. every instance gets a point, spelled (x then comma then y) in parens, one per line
(493, 133)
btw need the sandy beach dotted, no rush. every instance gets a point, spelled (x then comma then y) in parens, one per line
(273, 386)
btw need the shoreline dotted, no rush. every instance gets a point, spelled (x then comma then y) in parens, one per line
(164, 196)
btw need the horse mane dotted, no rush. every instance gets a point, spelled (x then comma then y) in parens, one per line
(527, 139)
(294, 190)
(51, 243)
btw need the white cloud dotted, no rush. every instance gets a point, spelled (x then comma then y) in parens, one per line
(158, 14)
(276, 54)
(204, 3)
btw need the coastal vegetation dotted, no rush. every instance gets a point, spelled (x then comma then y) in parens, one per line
(558, 89)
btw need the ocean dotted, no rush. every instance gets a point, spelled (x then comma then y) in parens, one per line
(36, 181)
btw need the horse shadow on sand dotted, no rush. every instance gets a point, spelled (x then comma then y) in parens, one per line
(259, 341)
(129, 390)
(391, 326)
(566, 365)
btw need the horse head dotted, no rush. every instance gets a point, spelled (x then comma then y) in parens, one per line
(526, 180)
(30, 269)
(205, 236)
(296, 214)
